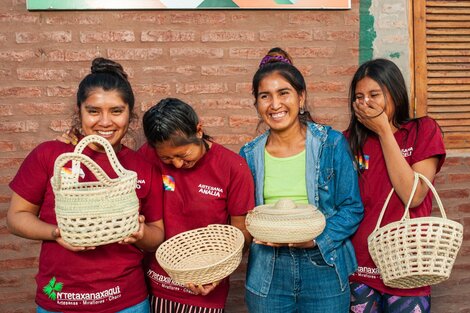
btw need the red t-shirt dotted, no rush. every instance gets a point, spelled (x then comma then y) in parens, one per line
(218, 186)
(418, 140)
(107, 279)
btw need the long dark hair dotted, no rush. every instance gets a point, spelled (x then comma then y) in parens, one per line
(107, 75)
(288, 71)
(172, 120)
(391, 81)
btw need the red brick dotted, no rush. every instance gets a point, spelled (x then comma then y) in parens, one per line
(201, 88)
(336, 36)
(19, 127)
(60, 126)
(212, 18)
(19, 18)
(213, 121)
(3, 37)
(5, 110)
(60, 91)
(5, 73)
(232, 139)
(7, 146)
(329, 102)
(459, 178)
(227, 36)
(20, 92)
(313, 52)
(455, 193)
(186, 70)
(74, 18)
(224, 104)
(81, 55)
(167, 36)
(17, 55)
(28, 144)
(144, 17)
(39, 74)
(244, 88)
(326, 87)
(154, 89)
(464, 207)
(10, 163)
(321, 19)
(270, 35)
(339, 70)
(17, 263)
(34, 37)
(224, 70)
(5, 180)
(195, 52)
(239, 17)
(242, 121)
(44, 108)
(248, 53)
(107, 36)
(134, 54)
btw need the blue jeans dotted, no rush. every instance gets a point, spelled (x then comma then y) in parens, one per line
(142, 307)
(298, 281)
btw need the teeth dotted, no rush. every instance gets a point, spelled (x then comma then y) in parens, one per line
(104, 133)
(278, 115)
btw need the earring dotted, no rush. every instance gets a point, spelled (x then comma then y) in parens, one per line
(301, 111)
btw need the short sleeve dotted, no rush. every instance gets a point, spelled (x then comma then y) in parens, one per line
(152, 203)
(241, 194)
(32, 178)
(428, 142)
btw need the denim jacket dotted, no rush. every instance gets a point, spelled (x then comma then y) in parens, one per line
(332, 186)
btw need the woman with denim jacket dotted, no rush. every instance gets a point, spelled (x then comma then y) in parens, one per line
(299, 159)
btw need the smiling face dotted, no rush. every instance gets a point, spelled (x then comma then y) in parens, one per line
(278, 103)
(368, 89)
(185, 156)
(104, 113)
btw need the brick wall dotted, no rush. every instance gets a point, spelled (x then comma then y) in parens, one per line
(204, 57)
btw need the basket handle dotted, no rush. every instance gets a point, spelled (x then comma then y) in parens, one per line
(99, 173)
(417, 176)
(117, 167)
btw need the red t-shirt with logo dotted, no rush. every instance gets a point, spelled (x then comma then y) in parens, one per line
(220, 185)
(107, 279)
(418, 140)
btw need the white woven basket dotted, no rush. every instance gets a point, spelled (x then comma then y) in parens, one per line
(416, 252)
(285, 222)
(97, 212)
(203, 255)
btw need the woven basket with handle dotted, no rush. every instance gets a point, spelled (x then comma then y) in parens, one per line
(97, 212)
(415, 252)
(285, 222)
(203, 255)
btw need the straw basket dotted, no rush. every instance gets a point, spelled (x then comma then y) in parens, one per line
(285, 222)
(97, 212)
(416, 252)
(203, 255)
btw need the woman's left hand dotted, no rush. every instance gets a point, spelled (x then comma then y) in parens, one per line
(202, 290)
(371, 115)
(136, 236)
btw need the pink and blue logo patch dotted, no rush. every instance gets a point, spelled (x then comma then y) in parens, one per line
(168, 183)
(363, 162)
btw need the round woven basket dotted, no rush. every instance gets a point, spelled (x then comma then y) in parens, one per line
(97, 212)
(203, 255)
(416, 252)
(285, 222)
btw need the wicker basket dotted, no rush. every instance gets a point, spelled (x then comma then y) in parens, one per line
(416, 252)
(203, 255)
(285, 222)
(97, 212)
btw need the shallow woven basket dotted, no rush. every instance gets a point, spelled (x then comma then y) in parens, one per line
(203, 255)
(285, 222)
(97, 212)
(416, 252)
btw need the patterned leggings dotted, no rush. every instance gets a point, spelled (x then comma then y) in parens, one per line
(365, 299)
(159, 305)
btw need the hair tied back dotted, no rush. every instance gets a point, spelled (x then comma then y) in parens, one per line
(273, 59)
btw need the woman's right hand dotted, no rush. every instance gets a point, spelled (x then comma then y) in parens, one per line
(64, 244)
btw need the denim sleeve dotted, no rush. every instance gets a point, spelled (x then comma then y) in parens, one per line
(347, 199)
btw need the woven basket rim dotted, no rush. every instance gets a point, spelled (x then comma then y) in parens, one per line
(198, 230)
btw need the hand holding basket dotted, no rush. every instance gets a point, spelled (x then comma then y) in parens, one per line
(96, 212)
(416, 252)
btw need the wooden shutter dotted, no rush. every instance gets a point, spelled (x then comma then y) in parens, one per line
(442, 67)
